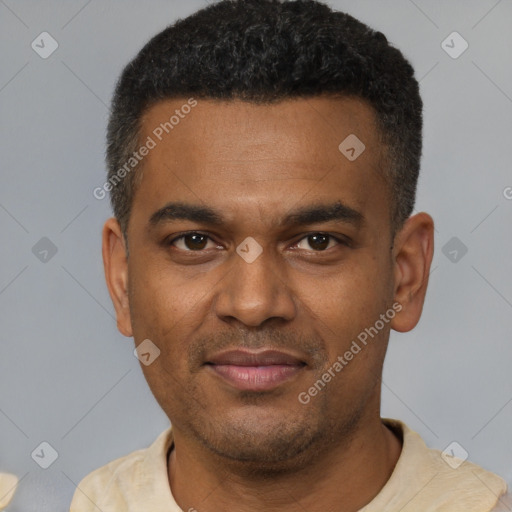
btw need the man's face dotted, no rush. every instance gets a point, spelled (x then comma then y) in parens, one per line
(306, 295)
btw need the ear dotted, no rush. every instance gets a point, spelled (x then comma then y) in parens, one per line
(412, 256)
(115, 263)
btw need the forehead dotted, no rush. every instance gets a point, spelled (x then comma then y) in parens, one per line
(221, 153)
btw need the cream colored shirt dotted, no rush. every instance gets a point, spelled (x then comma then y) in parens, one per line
(422, 481)
(8, 485)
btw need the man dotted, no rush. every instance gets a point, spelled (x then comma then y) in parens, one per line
(263, 159)
(8, 485)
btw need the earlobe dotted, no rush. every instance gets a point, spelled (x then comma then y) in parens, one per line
(412, 258)
(115, 263)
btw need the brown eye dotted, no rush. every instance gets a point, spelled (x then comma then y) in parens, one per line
(319, 242)
(191, 241)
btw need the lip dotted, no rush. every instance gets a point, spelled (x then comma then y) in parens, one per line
(255, 371)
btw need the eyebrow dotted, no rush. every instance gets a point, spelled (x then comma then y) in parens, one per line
(304, 215)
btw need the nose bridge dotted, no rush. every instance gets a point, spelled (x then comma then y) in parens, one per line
(255, 287)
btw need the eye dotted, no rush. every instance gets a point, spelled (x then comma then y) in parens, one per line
(191, 242)
(195, 241)
(320, 241)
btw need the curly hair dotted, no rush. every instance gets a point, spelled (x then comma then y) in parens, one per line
(265, 51)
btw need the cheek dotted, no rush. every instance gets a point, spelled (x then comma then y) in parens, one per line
(352, 292)
(169, 310)
(348, 303)
(156, 304)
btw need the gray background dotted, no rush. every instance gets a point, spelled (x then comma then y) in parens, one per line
(69, 378)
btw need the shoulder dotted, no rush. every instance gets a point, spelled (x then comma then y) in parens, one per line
(113, 486)
(443, 481)
(103, 484)
(8, 485)
(504, 504)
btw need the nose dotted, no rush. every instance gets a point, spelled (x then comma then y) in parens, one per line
(252, 292)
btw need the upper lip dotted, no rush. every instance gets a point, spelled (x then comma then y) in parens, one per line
(265, 357)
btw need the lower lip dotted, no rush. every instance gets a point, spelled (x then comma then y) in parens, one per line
(256, 378)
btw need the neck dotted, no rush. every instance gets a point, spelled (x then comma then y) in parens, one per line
(347, 475)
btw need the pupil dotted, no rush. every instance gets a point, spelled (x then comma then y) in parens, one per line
(195, 244)
(323, 244)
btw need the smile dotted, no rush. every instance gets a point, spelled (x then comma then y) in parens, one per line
(250, 371)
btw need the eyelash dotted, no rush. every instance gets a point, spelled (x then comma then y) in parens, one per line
(340, 241)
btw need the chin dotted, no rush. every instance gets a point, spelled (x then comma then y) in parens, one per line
(267, 441)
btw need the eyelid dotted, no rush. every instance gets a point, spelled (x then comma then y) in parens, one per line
(172, 239)
(340, 239)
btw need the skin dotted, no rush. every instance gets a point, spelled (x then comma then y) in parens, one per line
(268, 451)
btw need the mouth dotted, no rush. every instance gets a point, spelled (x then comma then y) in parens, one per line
(255, 371)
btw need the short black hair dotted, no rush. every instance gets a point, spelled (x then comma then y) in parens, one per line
(266, 51)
